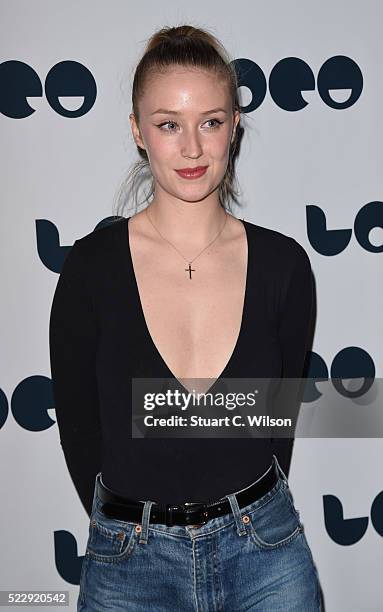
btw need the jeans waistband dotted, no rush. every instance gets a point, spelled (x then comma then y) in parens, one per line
(141, 511)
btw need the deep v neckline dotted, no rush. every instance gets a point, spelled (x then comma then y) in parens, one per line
(142, 315)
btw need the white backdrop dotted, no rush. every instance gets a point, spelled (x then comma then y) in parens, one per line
(310, 161)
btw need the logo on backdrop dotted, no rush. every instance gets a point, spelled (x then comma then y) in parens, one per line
(292, 76)
(20, 83)
(288, 81)
(333, 241)
(349, 531)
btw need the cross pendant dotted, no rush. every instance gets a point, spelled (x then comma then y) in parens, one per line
(190, 270)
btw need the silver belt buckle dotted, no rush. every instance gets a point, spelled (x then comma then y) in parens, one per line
(201, 507)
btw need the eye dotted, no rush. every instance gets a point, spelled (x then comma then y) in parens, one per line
(170, 123)
(166, 123)
(218, 123)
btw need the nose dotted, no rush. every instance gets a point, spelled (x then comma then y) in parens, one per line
(191, 145)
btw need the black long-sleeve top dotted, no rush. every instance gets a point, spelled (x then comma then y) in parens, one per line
(99, 341)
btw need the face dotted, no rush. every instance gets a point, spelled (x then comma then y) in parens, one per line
(178, 130)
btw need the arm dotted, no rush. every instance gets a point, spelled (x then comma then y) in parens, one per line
(72, 345)
(294, 336)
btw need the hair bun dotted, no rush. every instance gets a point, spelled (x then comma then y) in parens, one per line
(175, 34)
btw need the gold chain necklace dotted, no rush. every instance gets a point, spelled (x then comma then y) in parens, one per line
(189, 269)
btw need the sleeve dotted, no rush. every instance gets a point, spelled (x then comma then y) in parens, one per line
(294, 334)
(72, 346)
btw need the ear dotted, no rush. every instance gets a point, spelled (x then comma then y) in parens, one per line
(136, 131)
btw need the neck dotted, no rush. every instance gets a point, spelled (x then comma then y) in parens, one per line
(188, 223)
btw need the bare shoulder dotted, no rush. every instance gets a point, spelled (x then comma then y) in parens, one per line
(234, 227)
(138, 222)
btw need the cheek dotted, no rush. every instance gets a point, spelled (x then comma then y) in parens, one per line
(219, 147)
(161, 148)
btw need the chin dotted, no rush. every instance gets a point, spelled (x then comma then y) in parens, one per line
(197, 197)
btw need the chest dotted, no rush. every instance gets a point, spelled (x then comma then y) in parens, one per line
(194, 322)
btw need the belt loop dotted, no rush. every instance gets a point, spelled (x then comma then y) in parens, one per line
(241, 529)
(95, 496)
(277, 465)
(145, 521)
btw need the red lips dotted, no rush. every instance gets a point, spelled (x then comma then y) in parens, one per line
(192, 172)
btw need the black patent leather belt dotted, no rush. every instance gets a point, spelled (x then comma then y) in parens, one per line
(187, 513)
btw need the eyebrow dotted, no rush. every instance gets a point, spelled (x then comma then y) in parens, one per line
(164, 111)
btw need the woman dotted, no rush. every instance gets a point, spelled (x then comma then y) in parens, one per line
(182, 290)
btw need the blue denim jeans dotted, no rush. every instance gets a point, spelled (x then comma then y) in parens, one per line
(253, 558)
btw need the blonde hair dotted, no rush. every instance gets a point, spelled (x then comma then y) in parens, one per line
(189, 46)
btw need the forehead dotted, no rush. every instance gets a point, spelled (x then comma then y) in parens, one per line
(185, 89)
